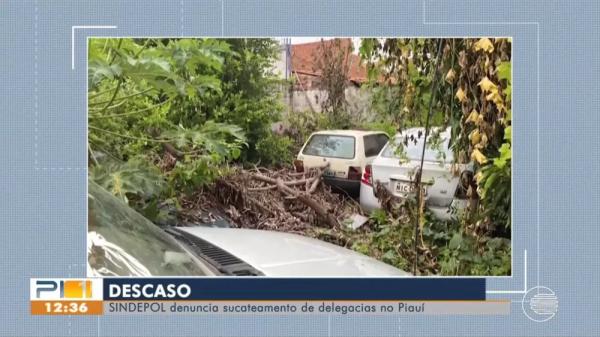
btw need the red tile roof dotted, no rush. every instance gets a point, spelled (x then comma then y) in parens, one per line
(303, 59)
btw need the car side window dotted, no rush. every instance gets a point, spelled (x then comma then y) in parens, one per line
(374, 144)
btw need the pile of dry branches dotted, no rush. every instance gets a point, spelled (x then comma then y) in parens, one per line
(283, 200)
(287, 201)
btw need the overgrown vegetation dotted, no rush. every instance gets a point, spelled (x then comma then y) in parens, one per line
(474, 99)
(168, 117)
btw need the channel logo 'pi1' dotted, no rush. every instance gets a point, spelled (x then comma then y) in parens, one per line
(66, 296)
(64, 289)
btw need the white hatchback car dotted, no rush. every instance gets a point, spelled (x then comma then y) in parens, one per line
(444, 185)
(348, 152)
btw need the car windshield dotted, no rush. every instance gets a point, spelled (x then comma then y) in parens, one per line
(333, 146)
(410, 146)
(122, 242)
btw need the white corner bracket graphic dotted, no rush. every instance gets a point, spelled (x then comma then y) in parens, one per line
(73, 28)
(524, 281)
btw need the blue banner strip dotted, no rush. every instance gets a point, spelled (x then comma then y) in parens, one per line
(260, 288)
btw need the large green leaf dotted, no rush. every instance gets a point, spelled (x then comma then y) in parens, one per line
(211, 138)
(135, 177)
(456, 241)
(99, 70)
(504, 71)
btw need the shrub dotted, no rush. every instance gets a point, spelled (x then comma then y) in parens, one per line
(275, 150)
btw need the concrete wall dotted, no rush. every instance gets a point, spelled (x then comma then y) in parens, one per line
(358, 101)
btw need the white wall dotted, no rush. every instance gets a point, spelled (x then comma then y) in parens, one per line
(358, 101)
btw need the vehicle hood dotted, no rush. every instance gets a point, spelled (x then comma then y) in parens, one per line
(284, 254)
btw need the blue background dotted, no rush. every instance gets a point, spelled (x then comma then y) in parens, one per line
(267, 288)
(555, 135)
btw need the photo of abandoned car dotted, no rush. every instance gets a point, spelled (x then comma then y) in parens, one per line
(299, 156)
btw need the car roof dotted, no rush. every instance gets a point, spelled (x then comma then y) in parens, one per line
(415, 130)
(348, 132)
